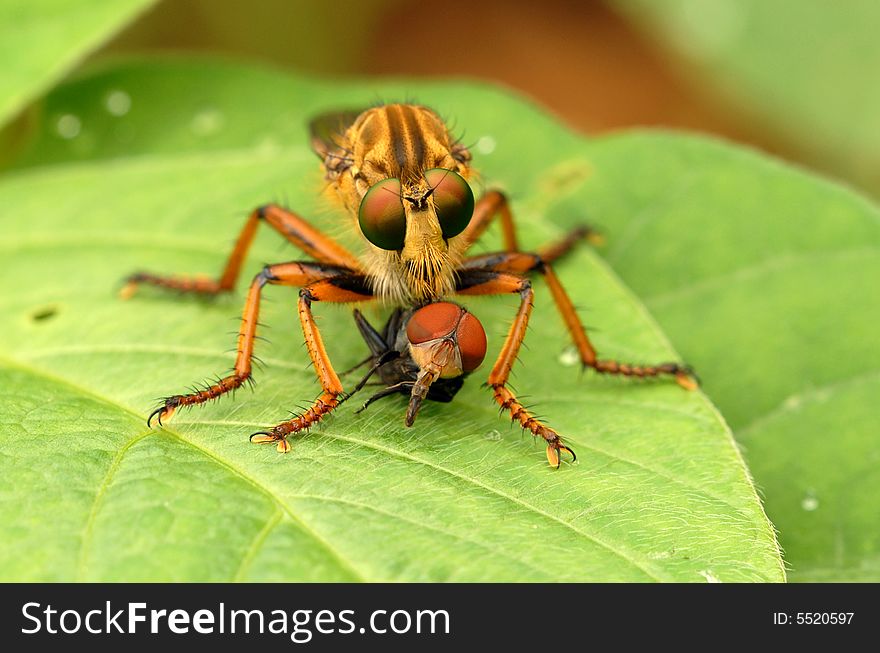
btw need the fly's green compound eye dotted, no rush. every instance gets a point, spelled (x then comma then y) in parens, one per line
(381, 216)
(453, 200)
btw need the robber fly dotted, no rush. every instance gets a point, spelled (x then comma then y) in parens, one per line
(404, 182)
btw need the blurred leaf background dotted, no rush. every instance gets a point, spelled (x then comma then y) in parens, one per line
(796, 79)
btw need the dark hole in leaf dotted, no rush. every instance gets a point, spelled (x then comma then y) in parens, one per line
(44, 313)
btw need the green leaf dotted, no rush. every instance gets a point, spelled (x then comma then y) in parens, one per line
(659, 493)
(807, 69)
(42, 40)
(769, 286)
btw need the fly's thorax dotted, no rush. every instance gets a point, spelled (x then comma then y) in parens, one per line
(358, 149)
(402, 141)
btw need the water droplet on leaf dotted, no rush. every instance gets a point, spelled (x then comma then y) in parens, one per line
(486, 145)
(68, 126)
(810, 503)
(569, 357)
(118, 103)
(207, 122)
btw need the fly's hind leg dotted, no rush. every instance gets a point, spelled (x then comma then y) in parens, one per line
(682, 374)
(291, 226)
(522, 263)
(515, 261)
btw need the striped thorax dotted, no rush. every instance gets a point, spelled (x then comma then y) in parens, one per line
(403, 178)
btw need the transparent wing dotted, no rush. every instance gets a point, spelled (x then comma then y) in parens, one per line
(326, 131)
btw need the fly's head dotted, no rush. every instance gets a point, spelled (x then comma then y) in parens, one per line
(445, 339)
(404, 180)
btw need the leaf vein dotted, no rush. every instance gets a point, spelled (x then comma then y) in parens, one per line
(88, 528)
(34, 371)
(425, 525)
(622, 553)
(796, 401)
(748, 272)
(257, 544)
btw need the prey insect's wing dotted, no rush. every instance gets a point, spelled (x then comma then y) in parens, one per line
(327, 129)
(376, 342)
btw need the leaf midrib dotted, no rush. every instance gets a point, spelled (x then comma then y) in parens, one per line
(36, 372)
(161, 160)
(98, 502)
(777, 263)
(630, 558)
(279, 503)
(812, 395)
(643, 567)
(484, 408)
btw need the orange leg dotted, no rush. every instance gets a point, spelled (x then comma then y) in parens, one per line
(332, 289)
(564, 245)
(486, 282)
(296, 230)
(487, 207)
(683, 375)
(521, 263)
(284, 274)
(496, 203)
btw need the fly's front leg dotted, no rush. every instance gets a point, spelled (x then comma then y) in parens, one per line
(487, 282)
(294, 228)
(283, 274)
(522, 263)
(341, 289)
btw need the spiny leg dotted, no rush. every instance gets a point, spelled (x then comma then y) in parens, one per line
(495, 203)
(683, 374)
(284, 274)
(294, 228)
(343, 289)
(561, 247)
(487, 282)
(521, 263)
(492, 203)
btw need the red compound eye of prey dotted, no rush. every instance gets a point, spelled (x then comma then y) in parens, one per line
(381, 215)
(433, 321)
(444, 320)
(453, 200)
(471, 342)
